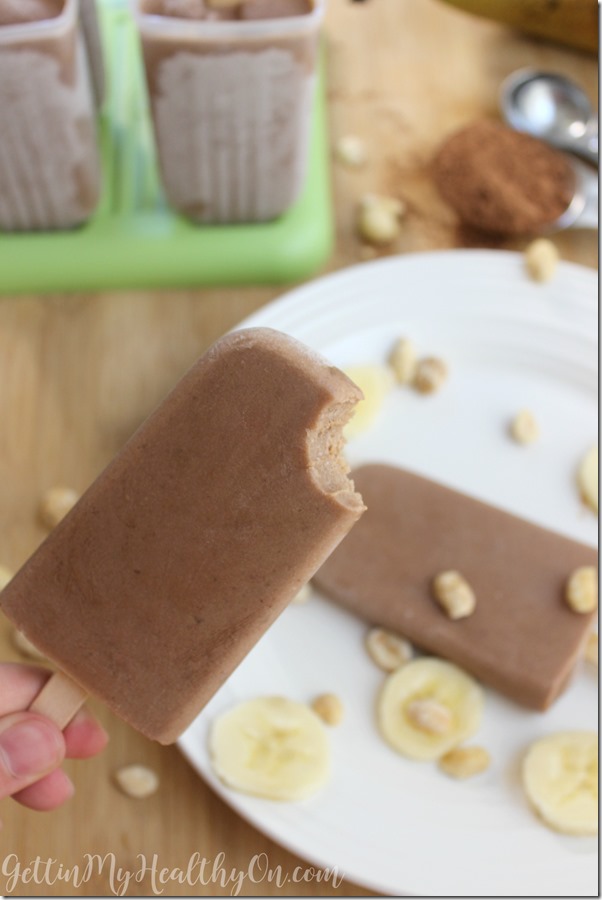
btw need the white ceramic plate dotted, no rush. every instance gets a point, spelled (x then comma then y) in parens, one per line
(390, 824)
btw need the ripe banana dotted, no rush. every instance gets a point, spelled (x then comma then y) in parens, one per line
(271, 747)
(375, 383)
(587, 478)
(427, 707)
(570, 22)
(560, 778)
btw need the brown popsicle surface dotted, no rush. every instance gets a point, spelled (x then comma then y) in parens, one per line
(185, 549)
(522, 638)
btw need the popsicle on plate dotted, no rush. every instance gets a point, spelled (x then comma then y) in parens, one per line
(186, 548)
(521, 638)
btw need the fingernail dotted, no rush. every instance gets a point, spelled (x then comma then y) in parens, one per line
(31, 747)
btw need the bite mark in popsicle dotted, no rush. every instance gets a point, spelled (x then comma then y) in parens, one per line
(206, 524)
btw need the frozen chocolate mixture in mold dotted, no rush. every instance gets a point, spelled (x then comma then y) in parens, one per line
(186, 9)
(231, 106)
(16, 12)
(49, 160)
(274, 9)
(245, 9)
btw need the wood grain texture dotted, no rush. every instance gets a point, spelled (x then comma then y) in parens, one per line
(79, 373)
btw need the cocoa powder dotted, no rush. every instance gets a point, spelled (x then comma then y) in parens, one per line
(501, 181)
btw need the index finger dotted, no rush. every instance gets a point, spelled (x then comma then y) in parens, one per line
(19, 684)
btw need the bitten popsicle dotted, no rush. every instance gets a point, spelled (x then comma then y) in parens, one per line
(187, 547)
(521, 639)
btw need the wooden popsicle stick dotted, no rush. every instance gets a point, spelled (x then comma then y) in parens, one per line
(59, 699)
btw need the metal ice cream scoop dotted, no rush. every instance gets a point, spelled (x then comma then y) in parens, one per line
(552, 108)
(582, 211)
(556, 110)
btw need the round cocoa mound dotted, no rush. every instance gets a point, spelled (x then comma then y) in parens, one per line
(501, 181)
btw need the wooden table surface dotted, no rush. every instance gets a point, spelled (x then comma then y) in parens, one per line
(79, 373)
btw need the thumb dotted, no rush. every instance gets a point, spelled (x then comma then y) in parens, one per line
(30, 747)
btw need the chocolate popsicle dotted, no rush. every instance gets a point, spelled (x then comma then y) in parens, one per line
(186, 548)
(522, 638)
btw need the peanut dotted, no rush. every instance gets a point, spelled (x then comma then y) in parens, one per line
(378, 219)
(26, 648)
(454, 594)
(55, 505)
(430, 716)
(587, 478)
(581, 592)
(137, 781)
(5, 576)
(302, 595)
(541, 259)
(403, 361)
(430, 374)
(591, 649)
(350, 151)
(464, 762)
(329, 708)
(388, 650)
(524, 428)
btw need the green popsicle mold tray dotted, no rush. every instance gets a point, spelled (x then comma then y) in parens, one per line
(135, 240)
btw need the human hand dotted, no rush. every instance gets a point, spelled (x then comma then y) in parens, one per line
(32, 748)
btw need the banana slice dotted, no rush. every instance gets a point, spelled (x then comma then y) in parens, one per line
(375, 383)
(427, 707)
(271, 747)
(560, 778)
(587, 478)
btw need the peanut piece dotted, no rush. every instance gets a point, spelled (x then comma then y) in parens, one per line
(26, 648)
(430, 716)
(303, 595)
(5, 576)
(137, 781)
(378, 219)
(541, 259)
(430, 375)
(55, 505)
(454, 594)
(350, 151)
(464, 762)
(591, 649)
(403, 361)
(388, 650)
(524, 428)
(582, 590)
(329, 708)
(587, 478)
